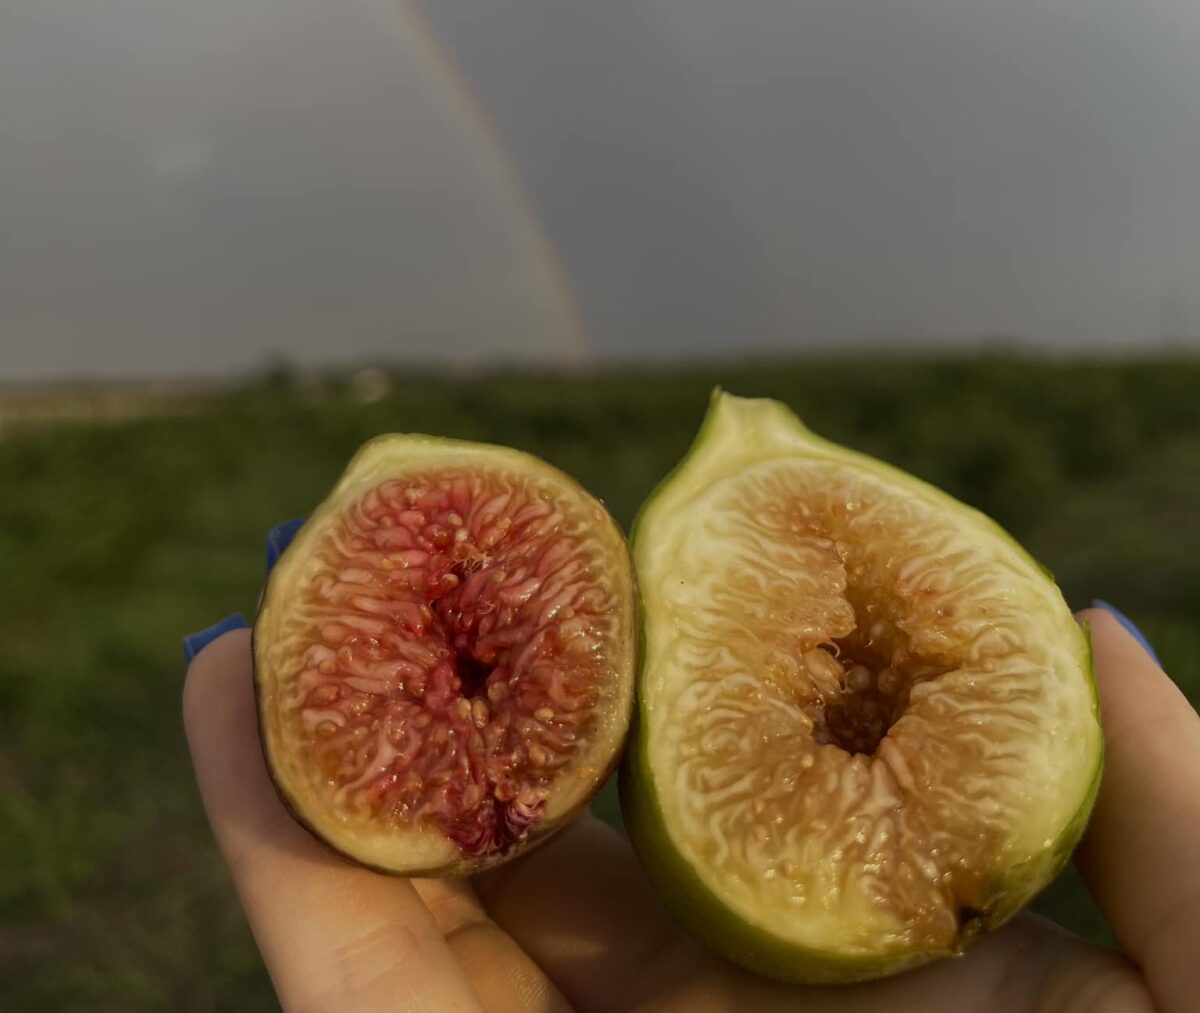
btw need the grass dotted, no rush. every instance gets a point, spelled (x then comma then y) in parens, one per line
(116, 539)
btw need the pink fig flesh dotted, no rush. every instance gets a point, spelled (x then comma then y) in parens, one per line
(445, 660)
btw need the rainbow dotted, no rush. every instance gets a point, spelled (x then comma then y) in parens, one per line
(405, 22)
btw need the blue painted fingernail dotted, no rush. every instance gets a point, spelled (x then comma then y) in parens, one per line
(1125, 621)
(194, 643)
(280, 538)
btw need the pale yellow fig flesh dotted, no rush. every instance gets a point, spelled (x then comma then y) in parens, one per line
(866, 728)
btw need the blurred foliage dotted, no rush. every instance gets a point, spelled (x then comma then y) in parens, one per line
(117, 539)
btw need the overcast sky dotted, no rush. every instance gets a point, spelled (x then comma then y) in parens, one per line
(193, 187)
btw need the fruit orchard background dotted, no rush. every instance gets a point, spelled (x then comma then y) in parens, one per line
(118, 535)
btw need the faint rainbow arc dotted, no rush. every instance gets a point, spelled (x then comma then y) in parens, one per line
(406, 20)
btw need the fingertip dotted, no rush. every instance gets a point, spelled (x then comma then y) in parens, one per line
(212, 673)
(1130, 681)
(1099, 605)
(194, 643)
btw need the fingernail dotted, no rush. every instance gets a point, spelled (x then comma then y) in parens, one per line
(280, 538)
(194, 643)
(1125, 621)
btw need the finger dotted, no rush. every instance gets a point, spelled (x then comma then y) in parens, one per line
(1029, 966)
(334, 936)
(582, 909)
(580, 906)
(1141, 854)
(504, 976)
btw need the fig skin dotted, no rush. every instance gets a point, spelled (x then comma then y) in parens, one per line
(608, 737)
(707, 917)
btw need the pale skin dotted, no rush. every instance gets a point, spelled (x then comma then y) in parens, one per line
(575, 926)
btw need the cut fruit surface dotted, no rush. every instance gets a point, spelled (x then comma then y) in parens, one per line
(866, 727)
(444, 656)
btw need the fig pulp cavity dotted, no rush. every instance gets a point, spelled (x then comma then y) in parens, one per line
(444, 656)
(866, 727)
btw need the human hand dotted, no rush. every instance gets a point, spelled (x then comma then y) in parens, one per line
(573, 924)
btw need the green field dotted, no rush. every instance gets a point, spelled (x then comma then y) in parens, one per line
(116, 539)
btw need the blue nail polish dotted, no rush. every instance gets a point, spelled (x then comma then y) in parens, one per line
(280, 538)
(194, 643)
(1125, 621)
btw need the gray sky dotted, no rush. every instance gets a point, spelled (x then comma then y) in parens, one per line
(197, 187)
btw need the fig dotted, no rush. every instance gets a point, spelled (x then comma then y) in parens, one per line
(866, 728)
(444, 656)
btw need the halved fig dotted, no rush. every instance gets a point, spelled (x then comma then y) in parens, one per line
(866, 727)
(444, 656)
